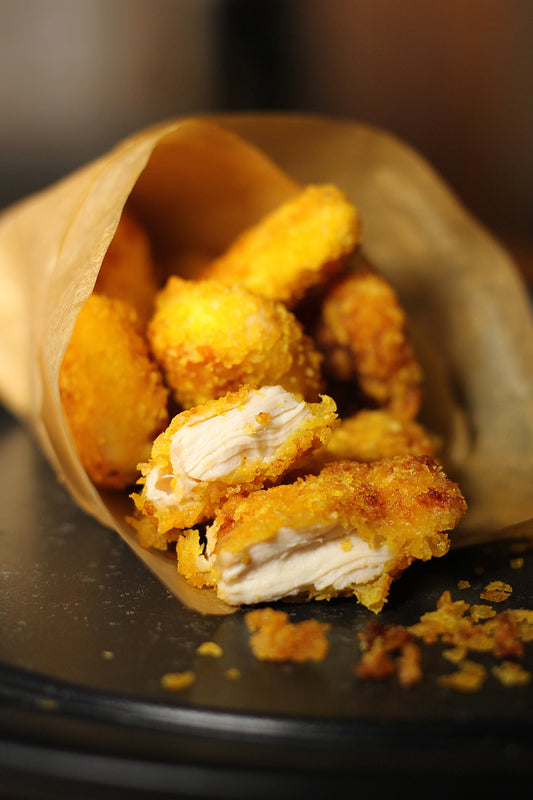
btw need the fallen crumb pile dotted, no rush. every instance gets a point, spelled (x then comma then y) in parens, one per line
(465, 629)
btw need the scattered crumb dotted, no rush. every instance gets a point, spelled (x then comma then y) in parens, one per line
(275, 638)
(209, 649)
(496, 592)
(509, 673)
(108, 655)
(517, 563)
(455, 654)
(176, 681)
(408, 665)
(233, 674)
(468, 678)
(463, 584)
(389, 650)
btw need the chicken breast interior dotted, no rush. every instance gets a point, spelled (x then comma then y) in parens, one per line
(242, 433)
(349, 530)
(233, 444)
(322, 558)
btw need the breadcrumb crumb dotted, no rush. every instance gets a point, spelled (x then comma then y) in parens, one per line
(211, 649)
(509, 673)
(496, 592)
(275, 638)
(177, 681)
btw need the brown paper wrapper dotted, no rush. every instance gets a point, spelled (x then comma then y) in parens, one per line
(195, 183)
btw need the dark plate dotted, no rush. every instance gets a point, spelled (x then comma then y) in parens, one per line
(87, 633)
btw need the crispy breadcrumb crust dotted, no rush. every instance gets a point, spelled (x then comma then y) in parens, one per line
(297, 246)
(210, 339)
(112, 392)
(363, 333)
(251, 474)
(189, 552)
(406, 502)
(370, 435)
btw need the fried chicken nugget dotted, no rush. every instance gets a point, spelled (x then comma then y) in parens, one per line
(210, 339)
(363, 333)
(351, 530)
(235, 444)
(295, 247)
(370, 435)
(112, 392)
(128, 271)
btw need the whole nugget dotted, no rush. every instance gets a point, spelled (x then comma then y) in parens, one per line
(210, 339)
(112, 392)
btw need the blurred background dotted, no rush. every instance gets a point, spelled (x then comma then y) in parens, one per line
(453, 78)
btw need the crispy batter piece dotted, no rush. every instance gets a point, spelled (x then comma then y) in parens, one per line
(210, 339)
(295, 247)
(350, 530)
(275, 638)
(235, 444)
(128, 271)
(389, 650)
(363, 333)
(112, 392)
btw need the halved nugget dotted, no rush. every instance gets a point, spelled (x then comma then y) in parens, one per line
(297, 246)
(351, 530)
(236, 444)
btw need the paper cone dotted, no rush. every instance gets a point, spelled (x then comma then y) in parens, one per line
(195, 184)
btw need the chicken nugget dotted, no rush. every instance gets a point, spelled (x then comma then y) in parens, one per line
(363, 333)
(370, 435)
(295, 247)
(112, 392)
(351, 530)
(211, 339)
(235, 444)
(128, 270)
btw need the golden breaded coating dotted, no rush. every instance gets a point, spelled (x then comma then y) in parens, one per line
(112, 393)
(350, 530)
(363, 334)
(235, 444)
(128, 270)
(211, 339)
(275, 638)
(295, 247)
(189, 554)
(372, 434)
